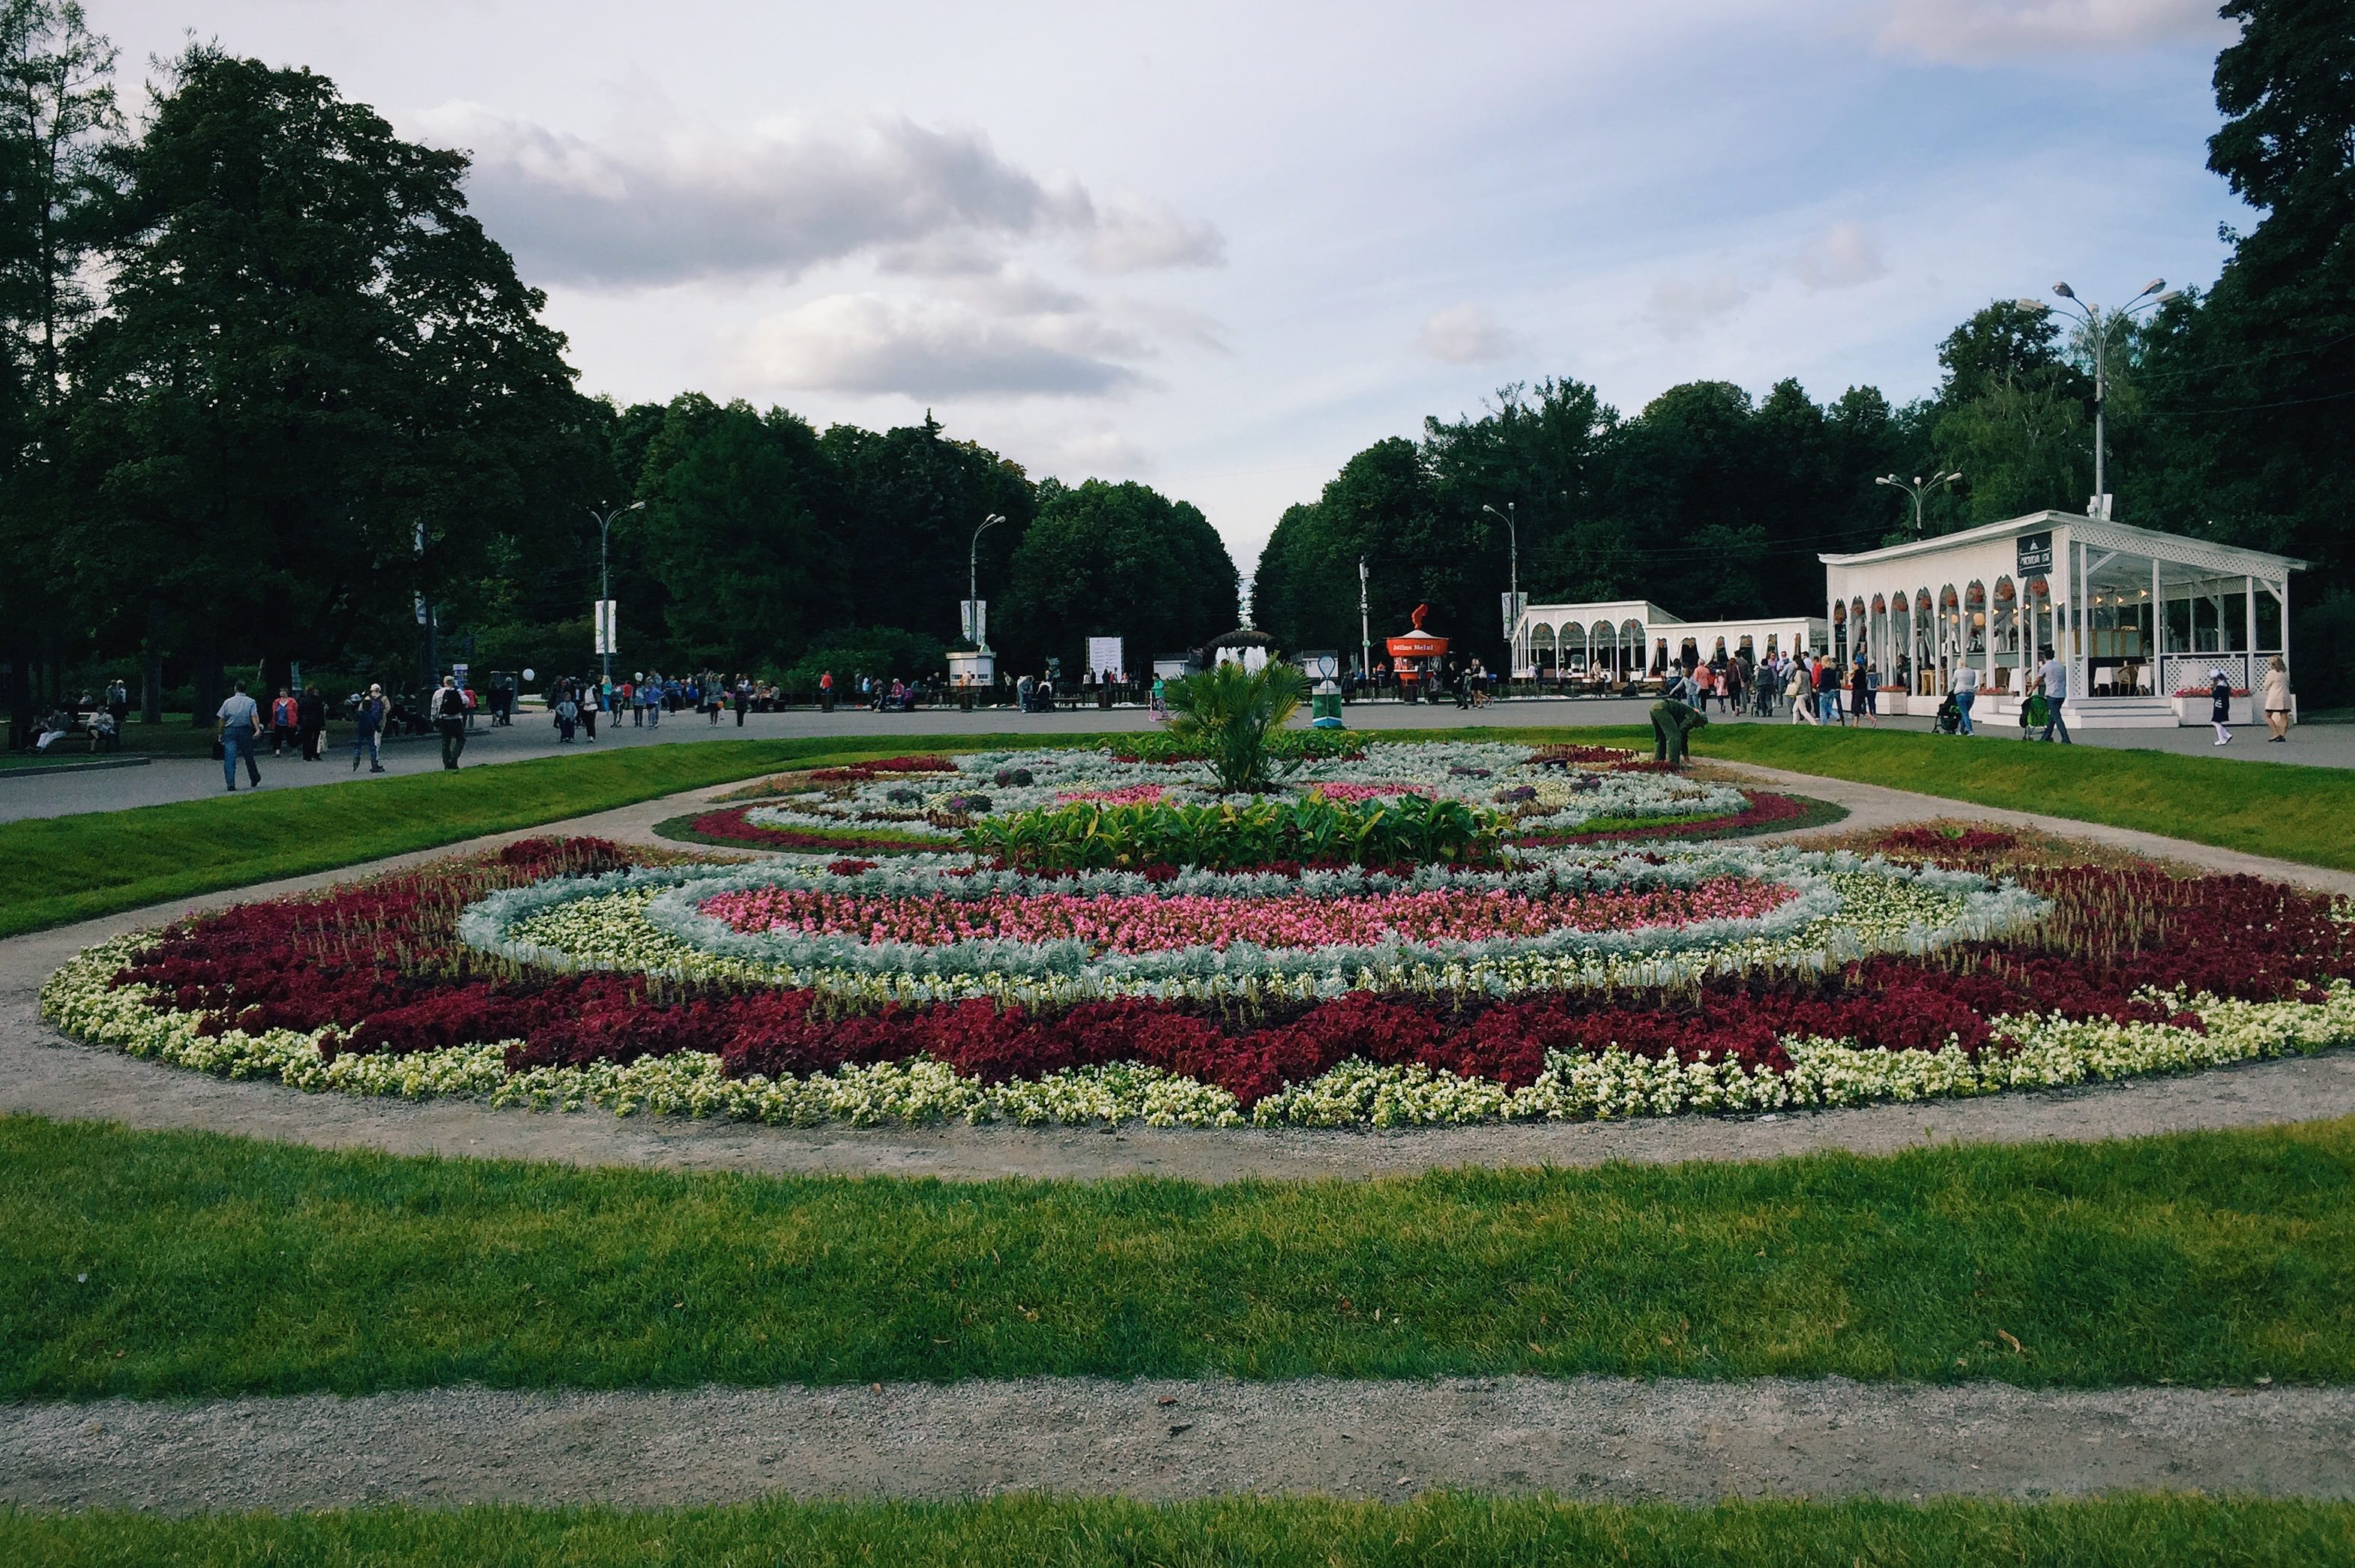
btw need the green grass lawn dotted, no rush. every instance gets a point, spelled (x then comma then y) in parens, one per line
(166, 1265)
(1432, 1532)
(61, 868)
(2282, 809)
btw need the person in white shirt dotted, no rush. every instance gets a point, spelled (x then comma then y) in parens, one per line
(241, 727)
(1967, 691)
(2054, 678)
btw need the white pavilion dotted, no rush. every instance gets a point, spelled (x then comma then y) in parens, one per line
(2139, 615)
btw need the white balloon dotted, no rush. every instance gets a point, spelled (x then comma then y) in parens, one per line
(531, 674)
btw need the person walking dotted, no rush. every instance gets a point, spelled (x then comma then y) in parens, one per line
(1967, 691)
(1801, 691)
(310, 721)
(450, 718)
(281, 721)
(650, 700)
(369, 738)
(2219, 705)
(592, 699)
(743, 699)
(240, 732)
(1861, 695)
(1827, 694)
(2277, 699)
(2052, 677)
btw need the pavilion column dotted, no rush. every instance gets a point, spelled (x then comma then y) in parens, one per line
(2249, 584)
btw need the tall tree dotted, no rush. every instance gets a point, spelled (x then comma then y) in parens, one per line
(320, 389)
(738, 531)
(914, 499)
(57, 115)
(1122, 560)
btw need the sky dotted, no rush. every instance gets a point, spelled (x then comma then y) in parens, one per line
(1220, 247)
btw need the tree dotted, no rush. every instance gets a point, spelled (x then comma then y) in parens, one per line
(1105, 559)
(738, 531)
(320, 391)
(57, 117)
(912, 501)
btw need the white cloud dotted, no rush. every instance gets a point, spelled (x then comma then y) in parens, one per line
(689, 202)
(1842, 258)
(1980, 32)
(1681, 304)
(1135, 234)
(926, 348)
(1466, 335)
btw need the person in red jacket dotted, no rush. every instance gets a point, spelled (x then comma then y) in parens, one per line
(285, 715)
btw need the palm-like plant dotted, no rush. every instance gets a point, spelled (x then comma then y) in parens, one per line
(1228, 711)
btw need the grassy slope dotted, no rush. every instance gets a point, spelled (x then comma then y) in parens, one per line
(1453, 1531)
(218, 1265)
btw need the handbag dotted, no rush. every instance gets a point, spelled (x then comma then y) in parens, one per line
(219, 751)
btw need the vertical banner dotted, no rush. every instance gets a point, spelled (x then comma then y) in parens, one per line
(973, 618)
(608, 616)
(1104, 653)
(1513, 603)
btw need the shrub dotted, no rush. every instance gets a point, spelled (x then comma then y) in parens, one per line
(1093, 835)
(1227, 711)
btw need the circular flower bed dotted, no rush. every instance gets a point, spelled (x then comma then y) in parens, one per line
(1564, 983)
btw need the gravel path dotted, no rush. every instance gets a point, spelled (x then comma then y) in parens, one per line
(1588, 1437)
(43, 1073)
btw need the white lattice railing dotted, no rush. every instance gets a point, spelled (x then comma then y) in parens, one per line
(2180, 672)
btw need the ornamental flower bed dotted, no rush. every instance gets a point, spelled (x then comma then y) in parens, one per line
(1549, 794)
(1570, 984)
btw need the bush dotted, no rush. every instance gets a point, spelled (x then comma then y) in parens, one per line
(1089, 836)
(1227, 711)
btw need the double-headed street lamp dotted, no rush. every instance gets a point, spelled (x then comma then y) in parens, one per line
(2101, 321)
(605, 583)
(1917, 488)
(1512, 638)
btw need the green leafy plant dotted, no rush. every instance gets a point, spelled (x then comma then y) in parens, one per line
(1227, 711)
(1304, 745)
(1091, 835)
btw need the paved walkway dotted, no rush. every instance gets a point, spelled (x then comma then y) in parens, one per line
(1594, 1438)
(169, 779)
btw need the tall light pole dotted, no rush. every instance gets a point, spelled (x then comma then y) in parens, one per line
(1365, 628)
(973, 582)
(1918, 487)
(1512, 632)
(2101, 321)
(604, 580)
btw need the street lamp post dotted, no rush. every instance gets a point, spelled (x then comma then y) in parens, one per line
(604, 579)
(973, 580)
(1513, 632)
(2101, 321)
(1365, 632)
(1917, 488)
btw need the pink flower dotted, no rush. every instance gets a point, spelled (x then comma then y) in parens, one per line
(1128, 923)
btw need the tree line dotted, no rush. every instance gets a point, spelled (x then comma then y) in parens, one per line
(270, 395)
(2228, 413)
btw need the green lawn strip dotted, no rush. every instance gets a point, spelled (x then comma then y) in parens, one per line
(2286, 810)
(61, 868)
(218, 1265)
(1442, 1531)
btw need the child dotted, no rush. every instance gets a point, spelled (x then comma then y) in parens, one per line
(2220, 705)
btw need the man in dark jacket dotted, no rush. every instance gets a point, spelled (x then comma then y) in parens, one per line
(450, 718)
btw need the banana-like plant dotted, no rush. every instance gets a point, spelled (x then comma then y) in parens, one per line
(1229, 713)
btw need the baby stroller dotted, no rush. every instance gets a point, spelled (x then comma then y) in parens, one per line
(1948, 720)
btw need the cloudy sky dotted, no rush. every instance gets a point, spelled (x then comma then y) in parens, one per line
(1219, 246)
